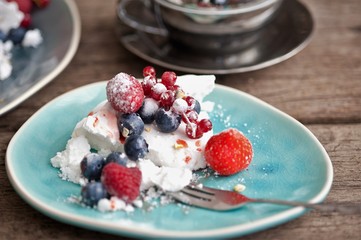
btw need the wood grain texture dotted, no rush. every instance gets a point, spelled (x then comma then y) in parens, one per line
(320, 87)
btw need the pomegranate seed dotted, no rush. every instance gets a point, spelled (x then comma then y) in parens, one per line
(193, 132)
(149, 71)
(167, 98)
(169, 79)
(147, 84)
(205, 125)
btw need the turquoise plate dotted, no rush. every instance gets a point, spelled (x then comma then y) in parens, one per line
(289, 163)
(33, 68)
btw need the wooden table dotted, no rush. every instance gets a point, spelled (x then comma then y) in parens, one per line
(320, 87)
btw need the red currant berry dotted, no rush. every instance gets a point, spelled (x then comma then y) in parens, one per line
(191, 101)
(157, 90)
(147, 84)
(169, 79)
(42, 3)
(190, 116)
(193, 132)
(23, 6)
(26, 22)
(149, 71)
(180, 106)
(205, 125)
(167, 98)
(175, 88)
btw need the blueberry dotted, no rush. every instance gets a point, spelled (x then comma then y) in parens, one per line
(130, 124)
(135, 147)
(148, 109)
(2, 36)
(92, 192)
(167, 121)
(117, 157)
(197, 107)
(91, 166)
(16, 35)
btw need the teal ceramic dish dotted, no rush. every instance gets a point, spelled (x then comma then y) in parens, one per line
(289, 163)
(60, 26)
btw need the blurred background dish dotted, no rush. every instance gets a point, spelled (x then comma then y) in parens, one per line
(210, 28)
(286, 34)
(34, 68)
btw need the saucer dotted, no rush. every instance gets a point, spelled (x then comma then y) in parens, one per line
(286, 35)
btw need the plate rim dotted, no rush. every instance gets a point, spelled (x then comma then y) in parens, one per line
(74, 43)
(115, 228)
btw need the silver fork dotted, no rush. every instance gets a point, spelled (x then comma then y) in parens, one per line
(223, 200)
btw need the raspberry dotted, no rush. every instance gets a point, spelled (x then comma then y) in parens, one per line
(125, 93)
(121, 181)
(228, 152)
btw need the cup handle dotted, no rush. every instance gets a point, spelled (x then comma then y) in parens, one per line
(133, 23)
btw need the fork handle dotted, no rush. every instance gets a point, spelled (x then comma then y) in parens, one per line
(324, 207)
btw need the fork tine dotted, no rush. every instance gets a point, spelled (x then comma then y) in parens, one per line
(197, 193)
(190, 200)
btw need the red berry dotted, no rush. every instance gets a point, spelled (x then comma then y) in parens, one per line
(125, 93)
(228, 152)
(190, 116)
(42, 3)
(25, 6)
(169, 79)
(149, 71)
(193, 131)
(121, 181)
(26, 22)
(191, 101)
(166, 99)
(205, 125)
(157, 90)
(175, 88)
(147, 84)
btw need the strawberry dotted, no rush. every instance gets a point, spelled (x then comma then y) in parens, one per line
(228, 152)
(125, 93)
(121, 181)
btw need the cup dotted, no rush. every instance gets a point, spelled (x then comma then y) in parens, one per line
(209, 30)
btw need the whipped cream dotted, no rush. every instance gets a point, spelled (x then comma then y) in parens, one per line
(100, 129)
(11, 18)
(172, 156)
